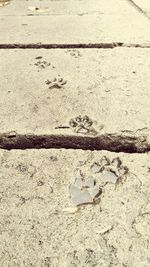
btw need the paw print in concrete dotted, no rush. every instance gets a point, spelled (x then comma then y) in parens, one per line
(111, 170)
(82, 125)
(74, 53)
(41, 64)
(56, 83)
(84, 191)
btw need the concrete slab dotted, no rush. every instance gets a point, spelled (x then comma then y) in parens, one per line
(65, 7)
(41, 227)
(144, 5)
(43, 91)
(72, 25)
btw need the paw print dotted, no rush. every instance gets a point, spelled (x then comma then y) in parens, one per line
(84, 191)
(42, 64)
(56, 83)
(74, 53)
(82, 125)
(111, 171)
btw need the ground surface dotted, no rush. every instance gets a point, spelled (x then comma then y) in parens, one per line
(40, 224)
(75, 75)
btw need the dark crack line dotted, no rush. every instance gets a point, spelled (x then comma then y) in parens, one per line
(109, 142)
(59, 46)
(131, 2)
(72, 46)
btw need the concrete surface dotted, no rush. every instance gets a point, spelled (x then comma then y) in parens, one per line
(66, 7)
(41, 227)
(126, 25)
(144, 5)
(74, 95)
(110, 86)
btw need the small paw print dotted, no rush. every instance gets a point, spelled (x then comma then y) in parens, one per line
(111, 170)
(56, 83)
(82, 125)
(42, 64)
(74, 53)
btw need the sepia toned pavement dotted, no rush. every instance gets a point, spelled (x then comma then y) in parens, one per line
(75, 133)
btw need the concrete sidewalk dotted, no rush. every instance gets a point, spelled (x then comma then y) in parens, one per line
(40, 226)
(84, 82)
(66, 22)
(61, 89)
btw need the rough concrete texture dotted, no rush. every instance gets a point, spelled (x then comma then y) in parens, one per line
(72, 25)
(81, 98)
(110, 86)
(40, 227)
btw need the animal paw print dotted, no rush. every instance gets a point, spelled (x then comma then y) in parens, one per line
(74, 53)
(84, 191)
(82, 125)
(41, 64)
(56, 83)
(111, 171)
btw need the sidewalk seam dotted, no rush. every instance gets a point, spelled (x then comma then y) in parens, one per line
(72, 46)
(110, 142)
(139, 9)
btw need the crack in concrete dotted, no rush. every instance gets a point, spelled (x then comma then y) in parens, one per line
(109, 142)
(139, 9)
(72, 46)
(59, 46)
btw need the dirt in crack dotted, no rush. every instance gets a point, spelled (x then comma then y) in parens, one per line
(60, 46)
(109, 142)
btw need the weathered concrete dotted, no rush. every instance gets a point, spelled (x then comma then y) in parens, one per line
(41, 227)
(63, 7)
(43, 92)
(72, 25)
(111, 87)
